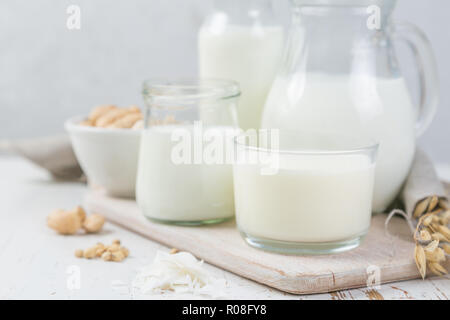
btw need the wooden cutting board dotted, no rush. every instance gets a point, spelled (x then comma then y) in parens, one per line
(222, 246)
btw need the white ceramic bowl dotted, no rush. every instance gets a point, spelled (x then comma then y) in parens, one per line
(108, 157)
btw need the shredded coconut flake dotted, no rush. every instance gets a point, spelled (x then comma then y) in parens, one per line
(180, 273)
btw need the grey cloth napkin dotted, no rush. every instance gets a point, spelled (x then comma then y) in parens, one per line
(54, 154)
(422, 183)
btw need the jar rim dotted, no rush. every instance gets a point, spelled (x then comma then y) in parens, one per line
(190, 90)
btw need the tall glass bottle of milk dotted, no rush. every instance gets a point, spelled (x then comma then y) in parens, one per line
(241, 41)
(340, 73)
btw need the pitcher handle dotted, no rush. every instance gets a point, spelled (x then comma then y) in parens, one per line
(426, 63)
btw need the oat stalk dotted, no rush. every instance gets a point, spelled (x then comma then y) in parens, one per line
(432, 235)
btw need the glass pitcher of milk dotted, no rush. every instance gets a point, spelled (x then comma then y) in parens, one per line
(340, 73)
(241, 41)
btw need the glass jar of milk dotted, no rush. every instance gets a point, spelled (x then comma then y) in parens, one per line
(241, 41)
(183, 173)
(340, 71)
(303, 192)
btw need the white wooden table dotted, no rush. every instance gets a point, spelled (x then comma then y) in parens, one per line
(36, 263)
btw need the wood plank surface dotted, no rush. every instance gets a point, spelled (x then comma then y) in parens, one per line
(222, 245)
(35, 260)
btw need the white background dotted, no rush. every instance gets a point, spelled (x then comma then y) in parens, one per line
(48, 73)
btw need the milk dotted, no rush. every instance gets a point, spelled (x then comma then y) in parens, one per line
(169, 191)
(312, 199)
(374, 107)
(248, 55)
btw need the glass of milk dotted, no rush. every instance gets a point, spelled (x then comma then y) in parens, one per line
(303, 192)
(183, 176)
(241, 40)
